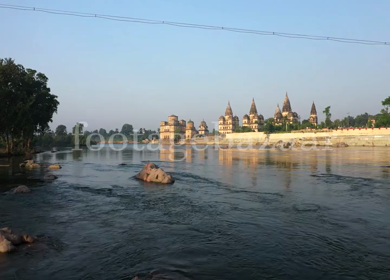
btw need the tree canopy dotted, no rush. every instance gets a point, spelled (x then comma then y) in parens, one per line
(27, 105)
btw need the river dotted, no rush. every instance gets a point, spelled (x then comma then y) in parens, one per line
(230, 214)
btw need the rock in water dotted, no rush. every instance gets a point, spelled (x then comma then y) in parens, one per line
(28, 239)
(6, 246)
(152, 173)
(50, 177)
(21, 189)
(9, 239)
(55, 166)
(30, 164)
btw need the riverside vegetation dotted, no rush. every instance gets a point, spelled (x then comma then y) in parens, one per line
(27, 106)
(26, 109)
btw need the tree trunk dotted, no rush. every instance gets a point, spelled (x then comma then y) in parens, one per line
(7, 147)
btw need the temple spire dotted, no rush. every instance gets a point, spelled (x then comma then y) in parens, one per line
(286, 104)
(253, 110)
(313, 110)
(229, 111)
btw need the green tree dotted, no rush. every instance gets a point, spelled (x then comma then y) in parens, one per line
(177, 135)
(27, 106)
(328, 116)
(269, 126)
(241, 129)
(61, 130)
(386, 104)
(103, 133)
(127, 129)
(361, 120)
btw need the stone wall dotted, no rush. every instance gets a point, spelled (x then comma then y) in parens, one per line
(352, 137)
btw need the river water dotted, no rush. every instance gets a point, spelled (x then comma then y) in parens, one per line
(230, 214)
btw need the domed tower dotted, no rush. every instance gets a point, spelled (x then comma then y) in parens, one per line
(190, 125)
(313, 115)
(286, 106)
(203, 129)
(228, 123)
(221, 120)
(278, 117)
(171, 127)
(245, 120)
(173, 120)
(190, 130)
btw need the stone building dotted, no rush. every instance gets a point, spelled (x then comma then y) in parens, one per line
(313, 115)
(287, 111)
(254, 121)
(228, 123)
(172, 126)
(190, 130)
(203, 129)
(278, 117)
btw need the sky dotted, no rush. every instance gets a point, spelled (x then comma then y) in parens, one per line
(108, 73)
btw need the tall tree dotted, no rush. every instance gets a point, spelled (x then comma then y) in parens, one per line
(103, 132)
(386, 104)
(61, 130)
(27, 105)
(127, 129)
(328, 115)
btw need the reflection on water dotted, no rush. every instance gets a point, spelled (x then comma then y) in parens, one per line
(230, 215)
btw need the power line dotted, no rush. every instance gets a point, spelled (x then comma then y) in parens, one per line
(193, 25)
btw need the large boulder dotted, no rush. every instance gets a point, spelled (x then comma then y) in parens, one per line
(6, 246)
(9, 239)
(55, 166)
(152, 173)
(21, 189)
(30, 164)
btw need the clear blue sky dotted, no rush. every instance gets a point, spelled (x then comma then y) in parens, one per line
(108, 73)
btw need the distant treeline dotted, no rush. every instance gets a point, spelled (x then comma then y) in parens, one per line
(62, 138)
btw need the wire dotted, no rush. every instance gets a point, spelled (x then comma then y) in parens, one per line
(193, 25)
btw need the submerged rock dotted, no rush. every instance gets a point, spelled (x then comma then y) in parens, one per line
(55, 166)
(9, 239)
(50, 177)
(152, 173)
(340, 145)
(21, 189)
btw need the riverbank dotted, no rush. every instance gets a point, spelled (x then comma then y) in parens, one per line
(352, 137)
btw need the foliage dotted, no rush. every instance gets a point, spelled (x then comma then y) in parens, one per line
(177, 135)
(127, 129)
(386, 104)
(328, 115)
(27, 106)
(242, 129)
(269, 126)
(61, 130)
